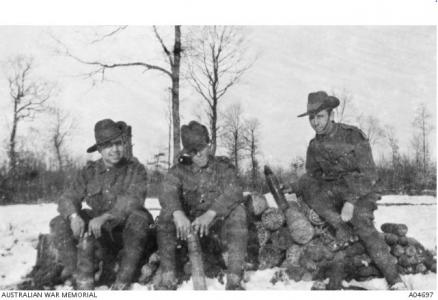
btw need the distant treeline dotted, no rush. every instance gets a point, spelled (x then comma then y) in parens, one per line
(35, 182)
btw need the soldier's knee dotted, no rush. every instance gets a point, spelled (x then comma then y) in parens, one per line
(139, 222)
(59, 225)
(165, 223)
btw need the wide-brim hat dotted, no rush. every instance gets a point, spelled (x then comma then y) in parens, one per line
(105, 131)
(194, 137)
(319, 101)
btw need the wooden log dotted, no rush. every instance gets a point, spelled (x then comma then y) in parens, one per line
(263, 235)
(195, 255)
(420, 268)
(273, 219)
(47, 269)
(390, 238)
(299, 226)
(282, 239)
(403, 240)
(397, 229)
(433, 267)
(410, 250)
(307, 276)
(269, 257)
(398, 250)
(295, 272)
(407, 261)
(308, 264)
(256, 204)
(316, 250)
(293, 255)
(148, 270)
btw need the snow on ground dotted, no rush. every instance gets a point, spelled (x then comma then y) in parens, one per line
(21, 225)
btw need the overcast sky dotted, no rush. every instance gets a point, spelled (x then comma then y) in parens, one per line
(386, 70)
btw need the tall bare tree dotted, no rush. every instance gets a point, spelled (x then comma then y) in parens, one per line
(173, 56)
(393, 144)
(251, 138)
(233, 133)
(62, 127)
(345, 106)
(28, 95)
(216, 63)
(372, 128)
(423, 128)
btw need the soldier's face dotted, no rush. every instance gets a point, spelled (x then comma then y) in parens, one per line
(321, 121)
(112, 152)
(200, 159)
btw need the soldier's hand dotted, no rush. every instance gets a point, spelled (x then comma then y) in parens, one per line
(77, 225)
(95, 225)
(286, 189)
(182, 224)
(347, 212)
(202, 223)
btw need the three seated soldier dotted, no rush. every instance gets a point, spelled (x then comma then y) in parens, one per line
(202, 193)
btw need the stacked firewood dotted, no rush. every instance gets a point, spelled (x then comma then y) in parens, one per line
(315, 255)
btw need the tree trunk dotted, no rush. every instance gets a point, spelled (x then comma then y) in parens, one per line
(175, 92)
(214, 127)
(59, 158)
(12, 153)
(236, 150)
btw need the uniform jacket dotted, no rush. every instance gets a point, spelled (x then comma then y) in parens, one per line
(195, 191)
(343, 156)
(118, 190)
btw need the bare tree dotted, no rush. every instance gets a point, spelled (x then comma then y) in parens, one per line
(346, 101)
(233, 133)
(173, 57)
(216, 63)
(372, 128)
(423, 128)
(251, 138)
(62, 126)
(28, 96)
(393, 144)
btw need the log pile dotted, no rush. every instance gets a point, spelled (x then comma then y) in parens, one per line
(320, 257)
(302, 256)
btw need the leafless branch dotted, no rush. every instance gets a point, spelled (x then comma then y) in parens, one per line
(114, 32)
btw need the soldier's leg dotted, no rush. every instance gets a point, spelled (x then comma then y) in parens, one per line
(376, 247)
(235, 235)
(135, 237)
(166, 238)
(322, 197)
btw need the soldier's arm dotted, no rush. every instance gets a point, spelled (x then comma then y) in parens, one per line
(169, 197)
(134, 194)
(362, 181)
(232, 192)
(312, 166)
(71, 200)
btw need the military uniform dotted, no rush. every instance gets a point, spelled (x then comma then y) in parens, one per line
(119, 191)
(194, 191)
(340, 168)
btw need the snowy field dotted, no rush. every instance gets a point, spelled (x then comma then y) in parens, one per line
(21, 224)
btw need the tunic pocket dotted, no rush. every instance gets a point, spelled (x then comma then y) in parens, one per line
(94, 196)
